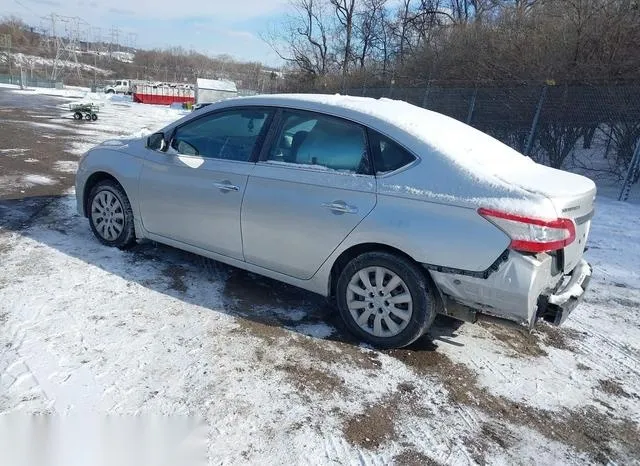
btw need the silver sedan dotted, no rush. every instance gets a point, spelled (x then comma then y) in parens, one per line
(394, 212)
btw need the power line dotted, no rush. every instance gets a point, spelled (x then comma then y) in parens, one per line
(26, 7)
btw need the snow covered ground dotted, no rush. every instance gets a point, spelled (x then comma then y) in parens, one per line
(269, 369)
(56, 131)
(31, 62)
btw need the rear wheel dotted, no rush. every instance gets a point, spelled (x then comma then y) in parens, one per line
(110, 215)
(94, 117)
(385, 299)
(77, 116)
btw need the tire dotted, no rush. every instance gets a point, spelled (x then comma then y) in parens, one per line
(110, 91)
(77, 116)
(110, 215)
(398, 323)
(87, 117)
(94, 117)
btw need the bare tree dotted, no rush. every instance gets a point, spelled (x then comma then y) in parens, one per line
(480, 40)
(370, 28)
(404, 18)
(303, 39)
(345, 13)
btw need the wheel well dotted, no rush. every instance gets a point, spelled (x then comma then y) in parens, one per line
(94, 179)
(354, 251)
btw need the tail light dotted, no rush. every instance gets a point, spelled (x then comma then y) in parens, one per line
(532, 234)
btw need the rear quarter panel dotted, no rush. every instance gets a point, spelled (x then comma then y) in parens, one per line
(432, 233)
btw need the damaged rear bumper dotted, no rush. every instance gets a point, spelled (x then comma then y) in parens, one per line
(555, 308)
(522, 290)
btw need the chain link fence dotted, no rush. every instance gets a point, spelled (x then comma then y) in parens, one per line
(19, 76)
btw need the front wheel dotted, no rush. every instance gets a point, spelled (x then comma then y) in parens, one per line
(385, 299)
(110, 215)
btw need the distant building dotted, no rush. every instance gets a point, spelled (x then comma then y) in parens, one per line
(212, 90)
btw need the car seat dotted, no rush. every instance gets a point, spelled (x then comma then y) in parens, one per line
(296, 142)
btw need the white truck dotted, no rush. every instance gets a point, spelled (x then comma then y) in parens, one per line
(121, 86)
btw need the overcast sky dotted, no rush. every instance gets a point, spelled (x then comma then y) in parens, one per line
(210, 26)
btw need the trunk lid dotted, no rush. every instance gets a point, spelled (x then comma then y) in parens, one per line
(573, 197)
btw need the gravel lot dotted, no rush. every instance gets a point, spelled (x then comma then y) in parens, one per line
(268, 368)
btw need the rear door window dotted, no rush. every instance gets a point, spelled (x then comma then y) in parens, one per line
(316, 141)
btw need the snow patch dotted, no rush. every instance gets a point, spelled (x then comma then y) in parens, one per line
(13, 152)
(48, 125)
(38, 180)
(316, 330)
(66, 166)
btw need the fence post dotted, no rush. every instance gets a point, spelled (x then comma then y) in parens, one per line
(472, 106)
(425, 98)
(606, 150)
(634, 166)
(534, 123)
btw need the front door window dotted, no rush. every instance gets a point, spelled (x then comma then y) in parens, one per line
(231, 135)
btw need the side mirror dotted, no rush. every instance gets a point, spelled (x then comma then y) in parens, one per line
(157, 142)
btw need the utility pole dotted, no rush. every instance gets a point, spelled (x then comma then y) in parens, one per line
(115, 41)
(54, 38)
(95, 69)
(65, 35)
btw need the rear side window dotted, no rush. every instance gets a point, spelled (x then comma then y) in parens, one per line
(388, 156)
(230, 135)
(319, 141)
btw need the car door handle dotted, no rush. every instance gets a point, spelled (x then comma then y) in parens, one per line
(340, 207)
(226, 186)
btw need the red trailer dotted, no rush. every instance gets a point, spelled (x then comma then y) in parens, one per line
(163, 94)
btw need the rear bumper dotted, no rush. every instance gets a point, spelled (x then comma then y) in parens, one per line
(555, 308)
(522, 290)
